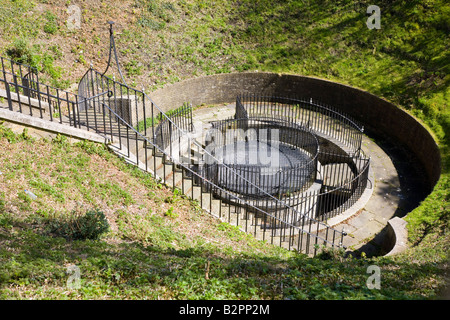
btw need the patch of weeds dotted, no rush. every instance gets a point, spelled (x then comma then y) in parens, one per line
(51, 25)
(79, 226)
(56, 51)
(8, 134)
(44, 213)
(47, 189)
(20, 51)
(176, 196)
(13, 137)
(81, 161)
(151, 23)
(134, 68)
(25, 136)
(5, 217)
(151, 195)
(249, 267)
(233, 232)
(2, 202)
(169, 213)
(25, 201)
(49, 68)
(61, 141)
(163, 235)
(144, 177)
(91, 147)
(155, 14)
(6, 220)
(147, 123)
(113, 193)
(149, 229)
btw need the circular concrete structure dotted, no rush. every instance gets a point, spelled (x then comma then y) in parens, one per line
(254, 158)
(379, 117)
(406, 162)
(289, 169)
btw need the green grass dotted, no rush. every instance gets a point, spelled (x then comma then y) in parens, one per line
(150, 252)
(160, 245)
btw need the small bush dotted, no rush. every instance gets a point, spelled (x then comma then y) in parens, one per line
(21, 52)
(169, 213)
(77, 226)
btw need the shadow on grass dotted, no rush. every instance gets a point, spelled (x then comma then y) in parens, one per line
(35, 265)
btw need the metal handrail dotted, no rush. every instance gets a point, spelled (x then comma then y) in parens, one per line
(257, 99)
(237, 174)
(281, 204)
(310, 102)
(137, 133)
(197, 144)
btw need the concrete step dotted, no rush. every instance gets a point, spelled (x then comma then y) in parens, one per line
(186, 186)
(174, 178)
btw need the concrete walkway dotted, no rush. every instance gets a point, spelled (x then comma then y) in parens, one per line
(382, 205)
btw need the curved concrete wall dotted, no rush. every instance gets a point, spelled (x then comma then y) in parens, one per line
(396, 239)
(376, 114)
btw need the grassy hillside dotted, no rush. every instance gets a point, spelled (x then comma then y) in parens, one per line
(159, 42)
(406, 61)
(150, 250)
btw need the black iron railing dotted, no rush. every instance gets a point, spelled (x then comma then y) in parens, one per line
(93, 84)
(20, 85)
(130, 118)
(343, 182)
(305, 235)
(338, 182)
(320, 118)
(277, 157)
(343, 170)
(165, 134)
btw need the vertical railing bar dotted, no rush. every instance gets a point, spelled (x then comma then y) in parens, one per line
(58, 102)
(76, 107)
(8, 91)
(93, 100)
(68, 108)
(50, 111)
(101, 101)
(16, 86)
(39, 100)
(118, 122)
(30, 87)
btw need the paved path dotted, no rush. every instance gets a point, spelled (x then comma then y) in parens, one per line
(380, 207)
